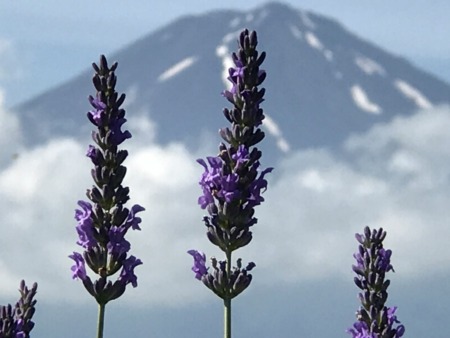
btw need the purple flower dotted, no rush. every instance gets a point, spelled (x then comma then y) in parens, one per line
(117, 244)
(391, 314)
(359, 262)
(127, 275)
(94, 154)
(236, 76)
(98, 114)
(19, 329)
(241, 157)
(91, 151)
(118, 136)
(79, 269)
(199, 263)
(236, 73)
(85, 227)
(392, 319)
(133, 221)
(227, 188)
(360, 330)
(256, 187)
(210, 180)
(385, 260)
(83, 214)
(224, 187)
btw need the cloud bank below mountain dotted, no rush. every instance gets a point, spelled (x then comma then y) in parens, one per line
(396, 176)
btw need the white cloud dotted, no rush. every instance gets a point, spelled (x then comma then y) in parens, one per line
(421, 140)
(397, 177)
(38, 191)
(10, 134)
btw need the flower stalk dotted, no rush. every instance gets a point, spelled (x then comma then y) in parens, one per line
(227, 303)
(100, 320)
(227, 318)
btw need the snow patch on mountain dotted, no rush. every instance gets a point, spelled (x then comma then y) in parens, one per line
(177, 68)
(315, 43)
(262, 15)
(233, 36)
(274, 130)
(363, 102)
(227, 62)
(297, 33)
(369, 66)
(328, 54)
(224, 53)
(413, 93)
(235, 22)
(306, 20)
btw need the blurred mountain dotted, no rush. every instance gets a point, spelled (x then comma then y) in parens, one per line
(323, 81)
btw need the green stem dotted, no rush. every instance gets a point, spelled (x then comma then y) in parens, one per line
(227, 303)
(227, 318)
(101, 320)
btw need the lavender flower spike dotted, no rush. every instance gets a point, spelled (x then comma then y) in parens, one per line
(15, 322)
(374, 319)
(103, 221)
(232, 182)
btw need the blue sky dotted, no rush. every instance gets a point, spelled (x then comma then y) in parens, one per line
(45, 43)
(398, 178)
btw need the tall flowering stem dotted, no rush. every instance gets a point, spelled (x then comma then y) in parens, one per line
(232, 182)
(374, 319)
(103, 221)
(15, 322)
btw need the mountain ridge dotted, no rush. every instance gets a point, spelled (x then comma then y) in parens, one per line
(323, 82)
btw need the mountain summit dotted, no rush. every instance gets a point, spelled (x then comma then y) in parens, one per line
(323, 82)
